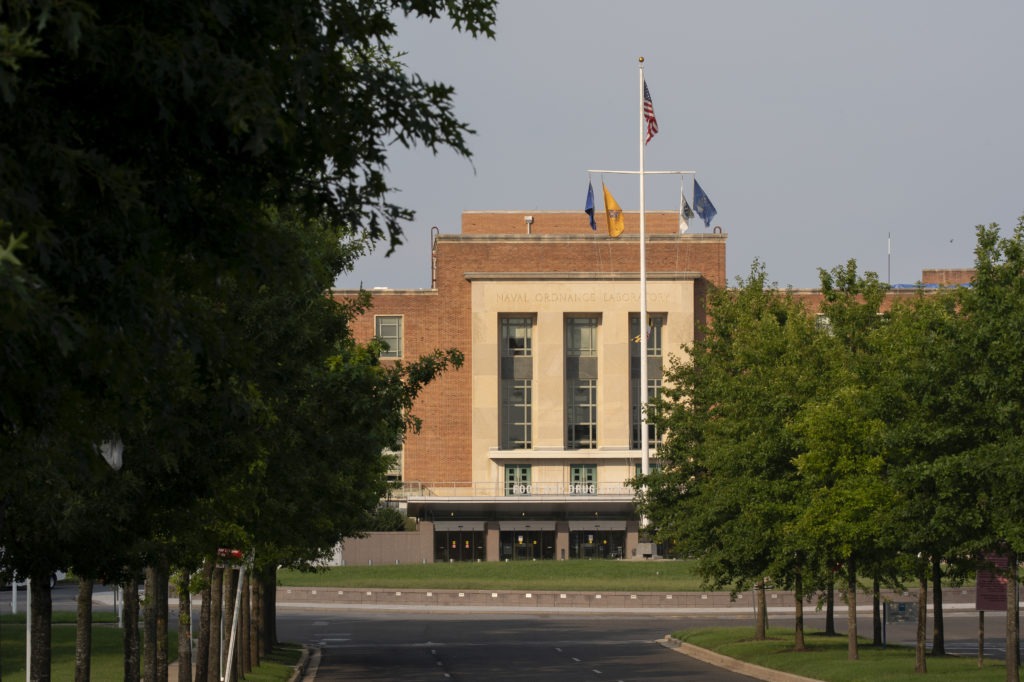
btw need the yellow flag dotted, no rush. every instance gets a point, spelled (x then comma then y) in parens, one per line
(616, 223)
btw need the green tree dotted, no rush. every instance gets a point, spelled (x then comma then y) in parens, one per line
(993, 311)
(728, 491)
(842, 460)
(142, 145)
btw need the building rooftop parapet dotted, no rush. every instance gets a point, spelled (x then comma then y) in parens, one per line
(580, 276)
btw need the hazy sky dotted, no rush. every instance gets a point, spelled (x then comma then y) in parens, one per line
(817, 127)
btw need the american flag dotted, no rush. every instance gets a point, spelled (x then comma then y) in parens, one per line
(652, 123)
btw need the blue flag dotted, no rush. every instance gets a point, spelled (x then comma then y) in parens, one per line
(702, 205)
(589, 209)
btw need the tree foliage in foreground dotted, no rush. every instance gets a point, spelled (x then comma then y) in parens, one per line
(881, 445)
(149, 153)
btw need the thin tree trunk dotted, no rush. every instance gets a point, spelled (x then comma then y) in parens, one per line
(203, 642)
(83, 631)
(798, 623)
(254, 628)
(184, 626)
(230, 587)
(269, 588)
(920, 663)
(852, 652)
(876, 611)
(1012, 614)
(149, 626)
(257, 618)
(245, 655)
(830, 607)
(216, 619)
(41, 621)
(132, 652)
(938, 627)
(161, 609)
(761, 620)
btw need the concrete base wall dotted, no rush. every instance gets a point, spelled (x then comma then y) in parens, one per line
(403, 547)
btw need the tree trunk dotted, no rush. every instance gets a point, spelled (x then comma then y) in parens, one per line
(83, 631)
(920, 663)
(204, 636)
(876, 611)
(184, 626)
(798, 604)
(1012, 614)
(852, 653)
(216, 619)
(245, 655)
(268, 578)
(161, 609)
(132, 653)
(41, 621)
(938, 627)
(761, 619)
(254, 628)
(149, 626)
(830, 607)
(257, 630)
(230, 588)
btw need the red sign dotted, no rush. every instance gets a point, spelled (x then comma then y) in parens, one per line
(991, 592)
(225, 553)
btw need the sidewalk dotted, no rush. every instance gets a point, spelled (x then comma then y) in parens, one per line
(523, 601)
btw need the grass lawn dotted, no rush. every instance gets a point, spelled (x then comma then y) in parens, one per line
(576, 575)
(107, 650)
(826, 657)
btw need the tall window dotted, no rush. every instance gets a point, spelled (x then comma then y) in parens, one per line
(583, 479)
(581, 382)
(516, 414)
(582, 414)
(516, 336)
(652, 332)
(388, 328)
(581, 337)
(649, 336)
(517, 479)
(516, 385)
(653, 391)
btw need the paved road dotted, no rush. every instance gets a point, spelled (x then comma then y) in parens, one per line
(493, 647)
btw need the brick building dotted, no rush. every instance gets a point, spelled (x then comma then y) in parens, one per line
(526, 451)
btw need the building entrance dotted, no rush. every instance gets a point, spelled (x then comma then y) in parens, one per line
(526, 545)
(459, 545)
(597, 544)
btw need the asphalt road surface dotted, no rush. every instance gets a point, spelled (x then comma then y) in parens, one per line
(493, 647)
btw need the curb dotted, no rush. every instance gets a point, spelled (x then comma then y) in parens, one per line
(299, 672)
(726, 663)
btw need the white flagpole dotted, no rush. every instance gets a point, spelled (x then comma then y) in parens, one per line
(645, 465)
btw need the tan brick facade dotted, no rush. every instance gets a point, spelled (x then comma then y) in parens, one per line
(551, 267)
(497, 242)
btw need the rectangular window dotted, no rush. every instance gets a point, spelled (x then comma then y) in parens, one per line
(516, 414)
(388, 328)
(515, 388)
(517, 479)
(581, 337)
(581, 382)
(652, 466)
(655, 323)
(653, 391)
(395, 464)
(516, 336)
(582, 414)
(583, 479)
